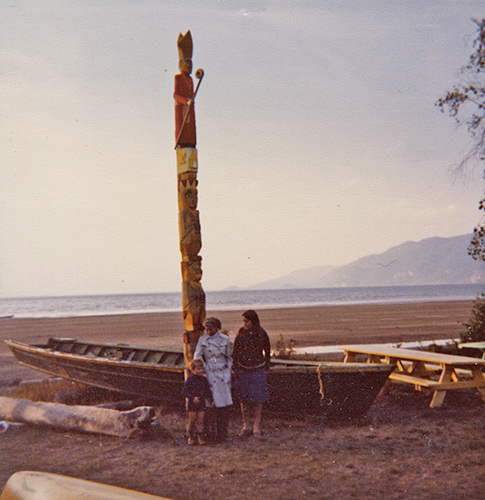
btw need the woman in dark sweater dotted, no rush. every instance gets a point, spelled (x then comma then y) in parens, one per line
(251, 357)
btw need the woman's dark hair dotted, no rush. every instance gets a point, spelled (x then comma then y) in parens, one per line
(213, 321)
(252, 316)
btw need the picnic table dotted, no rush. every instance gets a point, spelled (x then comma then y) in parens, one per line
(430, 371)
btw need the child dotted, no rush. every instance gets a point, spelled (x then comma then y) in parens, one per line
(196, 389)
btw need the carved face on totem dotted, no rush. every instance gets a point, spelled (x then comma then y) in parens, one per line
(188, 199)
(192, 269)
(185, 65)
(189, 230)
(187, 189)
(193, 304)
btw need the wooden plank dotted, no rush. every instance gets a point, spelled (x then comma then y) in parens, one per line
(349, 356)
(331, 367)
(401, 377)
(472, 345)
(434, 384)
(397, 352)
(439, 396)
(462, 384)
(479, 378)
(437, 399)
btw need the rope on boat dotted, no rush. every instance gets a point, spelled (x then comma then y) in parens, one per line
(320, 383)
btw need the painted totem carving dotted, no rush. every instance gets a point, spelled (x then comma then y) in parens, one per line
(193, 296)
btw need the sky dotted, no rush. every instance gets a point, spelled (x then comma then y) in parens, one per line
(318, 138)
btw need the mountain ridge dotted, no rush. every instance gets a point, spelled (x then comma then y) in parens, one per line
(432, 261)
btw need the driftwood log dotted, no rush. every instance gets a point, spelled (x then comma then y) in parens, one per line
(77, 418)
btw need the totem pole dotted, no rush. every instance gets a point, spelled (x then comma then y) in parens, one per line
(193, 297)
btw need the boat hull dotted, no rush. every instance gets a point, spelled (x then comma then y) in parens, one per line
(335, 391)
(331, 391)
(162, 382)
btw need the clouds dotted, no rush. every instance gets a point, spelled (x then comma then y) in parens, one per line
(318, 138)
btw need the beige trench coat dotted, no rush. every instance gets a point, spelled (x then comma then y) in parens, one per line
(215, 352)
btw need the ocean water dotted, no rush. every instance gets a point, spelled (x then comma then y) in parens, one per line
(92, 305)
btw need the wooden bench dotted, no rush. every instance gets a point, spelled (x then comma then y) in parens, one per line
(425, 370)
(418, 381)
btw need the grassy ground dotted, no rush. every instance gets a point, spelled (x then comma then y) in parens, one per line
(402, 449)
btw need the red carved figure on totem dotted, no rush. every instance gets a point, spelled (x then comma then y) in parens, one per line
(184, 94)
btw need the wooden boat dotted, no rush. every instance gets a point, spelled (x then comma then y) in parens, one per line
(336, 391)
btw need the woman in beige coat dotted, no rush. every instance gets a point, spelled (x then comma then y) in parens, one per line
(214, 349)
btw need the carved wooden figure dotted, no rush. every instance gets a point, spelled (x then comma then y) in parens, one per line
(193, 305)
(192, 269)
(189, 225)
(193, 296)
(185, 134)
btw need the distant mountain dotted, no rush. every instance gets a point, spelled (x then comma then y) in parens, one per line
(433, 261)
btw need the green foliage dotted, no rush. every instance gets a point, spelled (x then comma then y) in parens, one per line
(476, 323)
(466, 104)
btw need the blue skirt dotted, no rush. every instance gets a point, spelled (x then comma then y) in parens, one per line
(251, 386)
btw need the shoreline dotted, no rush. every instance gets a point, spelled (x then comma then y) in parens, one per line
(229, 309)
(230, 300)
(391, 321)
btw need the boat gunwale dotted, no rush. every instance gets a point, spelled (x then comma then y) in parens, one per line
(47, 352)
(278, 366)
(121, 345)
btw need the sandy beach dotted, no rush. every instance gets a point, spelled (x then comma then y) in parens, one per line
(306, 326)
(402, 449)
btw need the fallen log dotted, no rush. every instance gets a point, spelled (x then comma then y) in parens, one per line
(77, 418)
